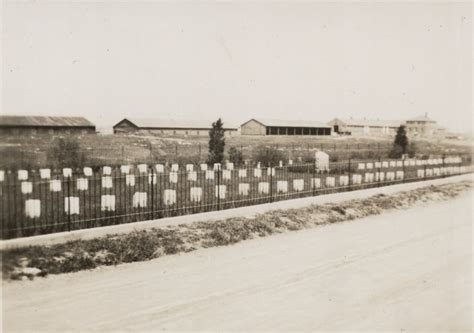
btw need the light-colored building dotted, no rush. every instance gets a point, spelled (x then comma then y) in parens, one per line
(168, 127)
(423, 126)
(284, 127)
(32, 125)
(351, 126)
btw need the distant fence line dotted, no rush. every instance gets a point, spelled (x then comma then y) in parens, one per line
(48, 201)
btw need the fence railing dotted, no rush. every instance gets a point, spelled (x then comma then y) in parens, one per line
(48, 201)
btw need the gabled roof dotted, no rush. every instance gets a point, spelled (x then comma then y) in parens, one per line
(423, 117)
(171, 123)
(288, 123)
(370, 122)
(43, 121)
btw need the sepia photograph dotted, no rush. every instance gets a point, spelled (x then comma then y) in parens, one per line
(236, 165)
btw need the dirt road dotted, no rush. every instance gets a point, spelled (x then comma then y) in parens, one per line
(406, 270)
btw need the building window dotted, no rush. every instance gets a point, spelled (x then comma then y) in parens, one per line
(274, 130)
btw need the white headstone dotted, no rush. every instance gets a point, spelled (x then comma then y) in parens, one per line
(130, 180)
(322, 161)
(226, 174)
(217, 166)
(152, 179)
(175, 167)
(106, 170)
(67, 172)
(87, 172)
(282, 186)
(139, 200)
(356, 179)
(298, 185)
(244, 189)
(32, 208)
(173, 177)
(2, 175)
(270, 172)
(330, 182)
(343, 180)
(82, 184)
(22, 174)
(316, 183)
(257, 172)
(26, 187)
(45, 173)
(189, 167)
(230, 166)
(209, 174)
(125, 169)
(142, 168)
(55, 185)
(203, 167)
(196, 194)
(192, 176)
(160, 168)
(169, 197)
(107, 182)
(369, 177)
(71, 205)
(220, 191)
(242, 173)
(107, 202)
(263, 187)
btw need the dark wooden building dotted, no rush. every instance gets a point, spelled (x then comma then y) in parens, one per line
(168, 127)
(18, 125)
(284, 127)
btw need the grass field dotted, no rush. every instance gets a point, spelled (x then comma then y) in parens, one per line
(30, 152)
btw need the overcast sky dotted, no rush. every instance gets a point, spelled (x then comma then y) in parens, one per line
(106, 60)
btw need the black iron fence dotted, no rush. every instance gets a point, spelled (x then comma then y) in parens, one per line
(47, 201)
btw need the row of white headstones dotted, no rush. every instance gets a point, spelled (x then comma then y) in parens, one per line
(140, 199)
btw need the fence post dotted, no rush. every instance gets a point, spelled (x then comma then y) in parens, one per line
(442, 158)
(271, 182)
(152, 192)
(350, 175)
(69, 203)
(218, 188)
(403, 168)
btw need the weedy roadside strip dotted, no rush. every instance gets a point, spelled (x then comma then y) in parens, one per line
(144, 245)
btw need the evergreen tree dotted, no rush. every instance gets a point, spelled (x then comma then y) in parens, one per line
(400, 144)
(216, 142)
